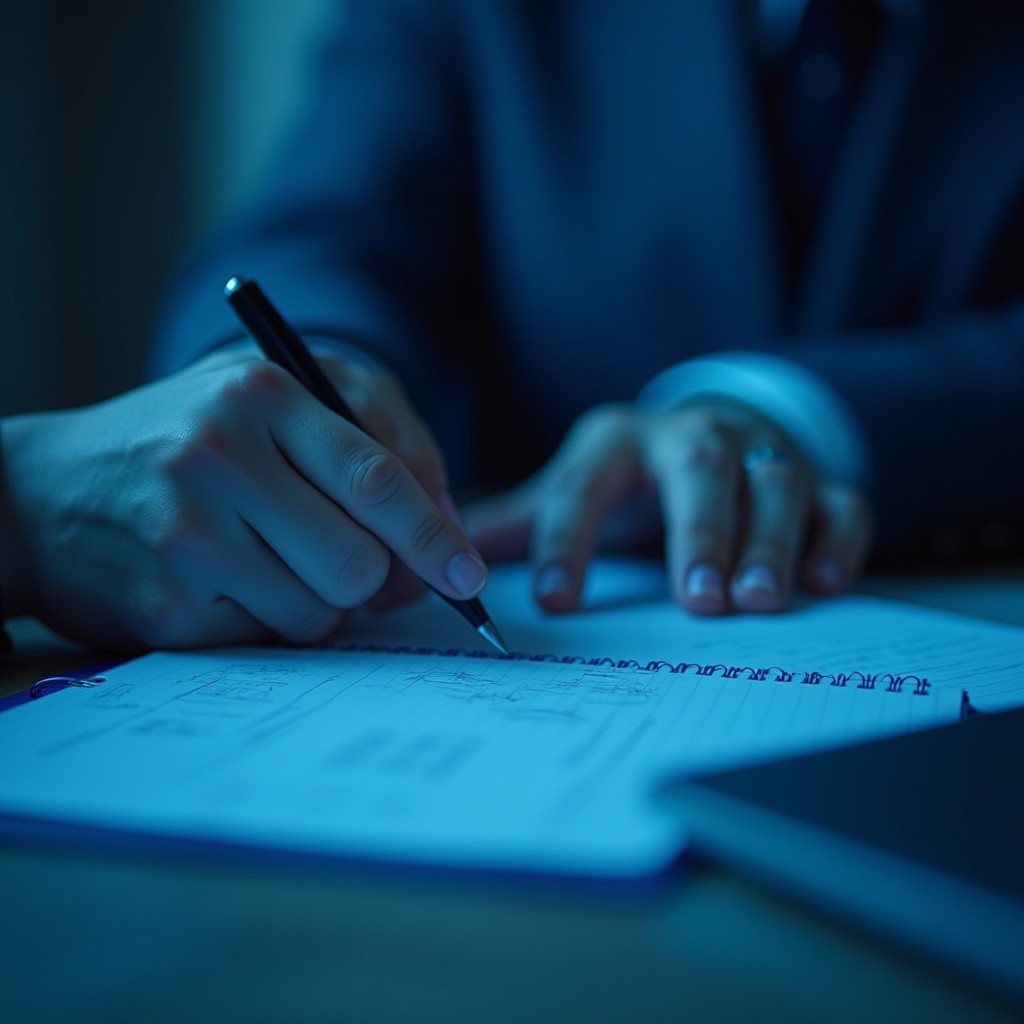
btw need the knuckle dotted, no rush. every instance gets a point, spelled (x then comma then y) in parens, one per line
(183, 458)
(377, 478)
(254, 382)
(707, 454)
(699, 420)
(179, 538)
(427, 531)
(197, 454)
(360, 574)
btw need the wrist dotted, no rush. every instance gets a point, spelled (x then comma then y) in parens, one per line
(803, 406)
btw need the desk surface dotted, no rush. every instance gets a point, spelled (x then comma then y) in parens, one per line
(116, 938)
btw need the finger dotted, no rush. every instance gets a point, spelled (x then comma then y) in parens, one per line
(581, 488)
(362, 389)
(697, 478)
(379, 492)
(777, 500)
(183, 605)
(224, 621)
(260, 583)
(386, 414)
(416, 447)
(340, 561)
(401, 587)
(228, 559)
(179, 619)
(500, 527)
(840, 539)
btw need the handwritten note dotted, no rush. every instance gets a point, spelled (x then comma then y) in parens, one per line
(511, 765)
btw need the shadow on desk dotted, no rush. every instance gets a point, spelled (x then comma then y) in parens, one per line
(109, 940)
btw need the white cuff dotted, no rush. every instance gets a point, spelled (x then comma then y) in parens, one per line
(800, 402)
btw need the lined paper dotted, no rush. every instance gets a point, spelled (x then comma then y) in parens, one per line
(627, 614)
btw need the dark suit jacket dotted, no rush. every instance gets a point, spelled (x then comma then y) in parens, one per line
(530, 208)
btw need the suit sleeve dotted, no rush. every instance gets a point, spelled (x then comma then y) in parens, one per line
(359, 233)
(941, 409)
(928, 419)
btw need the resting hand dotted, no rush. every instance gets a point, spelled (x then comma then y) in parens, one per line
(224, 504)
(732, 537)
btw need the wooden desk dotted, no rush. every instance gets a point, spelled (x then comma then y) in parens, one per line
(114, 938)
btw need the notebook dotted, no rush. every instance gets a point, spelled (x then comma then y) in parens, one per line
(432, 755)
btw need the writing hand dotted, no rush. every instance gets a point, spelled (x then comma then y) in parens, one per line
(223, 504)
(732, 537)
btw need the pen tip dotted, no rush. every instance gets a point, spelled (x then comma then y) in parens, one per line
(490, 633)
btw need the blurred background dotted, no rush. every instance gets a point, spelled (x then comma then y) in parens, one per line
(129, 129)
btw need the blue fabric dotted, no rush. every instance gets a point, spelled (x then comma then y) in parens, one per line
(531, 208)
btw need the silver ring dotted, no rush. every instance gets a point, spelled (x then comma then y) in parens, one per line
(755, 457)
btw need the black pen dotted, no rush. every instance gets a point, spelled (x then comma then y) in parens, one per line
(281, 344)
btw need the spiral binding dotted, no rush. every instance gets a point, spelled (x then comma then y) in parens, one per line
(50, 682)
(888, 681)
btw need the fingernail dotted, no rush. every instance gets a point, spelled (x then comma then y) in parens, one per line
(554, 578)
(705, 580)
(760, 578)
(830, 574)
(446, 503)
(467, 574)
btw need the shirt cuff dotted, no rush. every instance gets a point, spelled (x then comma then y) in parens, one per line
(800, 402)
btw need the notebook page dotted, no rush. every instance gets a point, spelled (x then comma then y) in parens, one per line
(485, 763)
(627, 615)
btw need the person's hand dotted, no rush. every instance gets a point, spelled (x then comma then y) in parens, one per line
(225, 504)
(734, 535)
